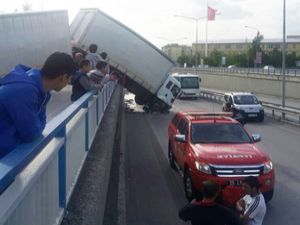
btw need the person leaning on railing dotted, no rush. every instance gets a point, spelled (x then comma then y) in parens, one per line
(81, 82)
(24, 94)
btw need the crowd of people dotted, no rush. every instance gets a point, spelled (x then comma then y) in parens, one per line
(25, 91)
(250, 210)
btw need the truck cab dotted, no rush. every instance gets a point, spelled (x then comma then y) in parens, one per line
(190, 85)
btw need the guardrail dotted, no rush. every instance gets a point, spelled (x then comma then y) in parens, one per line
(37, 179)
(276, 111)
(241, 70)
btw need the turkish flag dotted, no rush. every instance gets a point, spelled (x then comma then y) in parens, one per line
(211, 13)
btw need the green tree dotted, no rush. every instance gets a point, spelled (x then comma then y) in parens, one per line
(214, 59)
(256, 46)
(185, 59)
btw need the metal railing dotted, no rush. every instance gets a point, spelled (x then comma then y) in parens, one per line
(274, 110)
(37, 179)
(242, 70)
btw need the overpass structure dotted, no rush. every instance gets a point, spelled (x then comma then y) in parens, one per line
(243, 80)
(37, 179)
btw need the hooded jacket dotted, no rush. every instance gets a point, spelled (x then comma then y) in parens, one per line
(22, 107)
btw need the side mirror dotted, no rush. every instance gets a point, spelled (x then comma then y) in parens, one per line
(256, 137)
(200, 79)
(180, 138)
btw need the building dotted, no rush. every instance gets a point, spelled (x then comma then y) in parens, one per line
(176, 50)
(241, 46)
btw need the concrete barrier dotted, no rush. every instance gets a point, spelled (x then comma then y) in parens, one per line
(257, 83)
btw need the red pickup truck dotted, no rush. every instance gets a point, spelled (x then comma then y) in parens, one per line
(214, 146)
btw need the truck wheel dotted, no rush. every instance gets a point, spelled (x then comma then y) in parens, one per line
(171, 157)
(268, 195)
(156, 107)
(189, 189)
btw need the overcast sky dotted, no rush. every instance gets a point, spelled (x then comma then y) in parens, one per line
(155, 20)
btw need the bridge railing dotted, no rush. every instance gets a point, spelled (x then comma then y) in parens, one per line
(37, 179)
(284, 113)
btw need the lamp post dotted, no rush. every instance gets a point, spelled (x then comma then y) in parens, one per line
(283, 61)
(256, 46)
(197, 20)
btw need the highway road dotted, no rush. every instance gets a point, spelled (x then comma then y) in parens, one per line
(154, 192)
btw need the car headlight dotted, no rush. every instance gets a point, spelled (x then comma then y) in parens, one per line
(268, 166)
(203, 167)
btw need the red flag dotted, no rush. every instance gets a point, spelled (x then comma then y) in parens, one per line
(211, 13)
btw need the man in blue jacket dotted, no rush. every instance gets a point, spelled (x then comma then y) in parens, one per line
(24, 93)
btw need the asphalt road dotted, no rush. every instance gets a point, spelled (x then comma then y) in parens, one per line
(154, 192)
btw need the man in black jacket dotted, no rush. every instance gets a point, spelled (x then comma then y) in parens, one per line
(207, 211)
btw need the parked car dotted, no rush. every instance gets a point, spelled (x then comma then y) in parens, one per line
(231, 67)
(270, 69)
(244, 103)
(213, 146)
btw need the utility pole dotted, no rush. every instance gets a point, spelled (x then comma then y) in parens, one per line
(283, 61)
(196, 47)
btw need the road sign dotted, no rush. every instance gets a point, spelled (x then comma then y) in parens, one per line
(258, 59)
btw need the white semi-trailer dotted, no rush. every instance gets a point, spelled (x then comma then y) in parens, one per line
(145, 67)
(28, 38)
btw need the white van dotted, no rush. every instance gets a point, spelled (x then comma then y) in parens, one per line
(244, 103)
(190, 85)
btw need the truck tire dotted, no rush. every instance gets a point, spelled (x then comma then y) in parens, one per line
(171, 157)
(157, 106)
(189, 189)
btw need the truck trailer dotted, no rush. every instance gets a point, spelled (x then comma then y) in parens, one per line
(29, 38)
(145, 68)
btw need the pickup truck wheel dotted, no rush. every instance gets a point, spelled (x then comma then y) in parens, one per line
(171, 157)
(189, 189)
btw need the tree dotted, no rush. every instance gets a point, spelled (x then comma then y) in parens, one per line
(256, 46)
(185, 59)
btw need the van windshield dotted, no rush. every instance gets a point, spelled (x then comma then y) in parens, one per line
(245, 100)
(189, 82)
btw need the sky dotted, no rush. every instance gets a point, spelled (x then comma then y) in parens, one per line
(155, 20)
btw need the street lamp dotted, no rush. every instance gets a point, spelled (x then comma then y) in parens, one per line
(256, 46)
(283, 61)
(197, 20)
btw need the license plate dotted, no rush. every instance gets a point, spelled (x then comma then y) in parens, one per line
(235, 183)
(252, 115)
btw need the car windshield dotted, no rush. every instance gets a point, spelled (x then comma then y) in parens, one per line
(189, 82)
(232, 133)
(245, 100)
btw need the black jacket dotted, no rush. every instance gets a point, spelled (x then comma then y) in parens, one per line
(200, 213)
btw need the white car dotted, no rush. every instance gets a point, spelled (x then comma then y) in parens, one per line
(269, 68)
(245, 104)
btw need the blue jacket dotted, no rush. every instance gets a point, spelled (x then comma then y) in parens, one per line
(22, 107)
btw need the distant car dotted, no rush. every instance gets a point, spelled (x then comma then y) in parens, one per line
(231, 67)
(269, 68)
(244, 103)
(214, 146)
